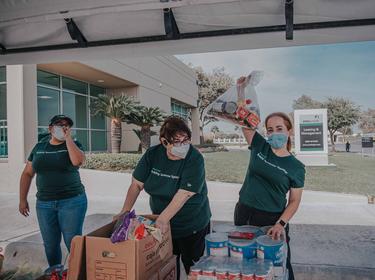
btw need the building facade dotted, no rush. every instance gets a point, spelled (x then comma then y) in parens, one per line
(31, 94)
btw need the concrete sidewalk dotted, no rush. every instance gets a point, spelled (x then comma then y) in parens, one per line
(106, 192)
(336, 230)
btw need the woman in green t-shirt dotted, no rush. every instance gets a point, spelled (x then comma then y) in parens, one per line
(61, 200)
(173, 174)
(273, 172)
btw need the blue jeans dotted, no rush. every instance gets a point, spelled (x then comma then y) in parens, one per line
(58, 217)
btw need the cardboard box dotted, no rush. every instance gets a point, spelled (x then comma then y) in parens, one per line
(168, 270)
(95, 257)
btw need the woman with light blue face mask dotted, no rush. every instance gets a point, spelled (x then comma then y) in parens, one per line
(173, 174)
(273, 173)
(61, 200)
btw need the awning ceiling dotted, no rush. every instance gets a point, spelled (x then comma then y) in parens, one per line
(45, 30)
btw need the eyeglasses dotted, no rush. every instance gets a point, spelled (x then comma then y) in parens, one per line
(177, 142)
(62, 125)
(181, 141)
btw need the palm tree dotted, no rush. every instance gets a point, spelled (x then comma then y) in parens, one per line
(138, 133)
(145, 118)
(215, 129)
(118, 109)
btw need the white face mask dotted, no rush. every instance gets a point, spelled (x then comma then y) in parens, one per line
(180, 151)
(58, 133)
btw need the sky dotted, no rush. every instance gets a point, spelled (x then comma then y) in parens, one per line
(345, 70)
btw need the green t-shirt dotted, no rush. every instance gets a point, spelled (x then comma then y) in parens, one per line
(162, 179)
(270, 177)
(56, 177)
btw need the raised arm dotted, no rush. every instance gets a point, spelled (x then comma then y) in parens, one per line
(248, 134)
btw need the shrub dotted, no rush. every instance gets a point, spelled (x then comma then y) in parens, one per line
(211, 148)
(112, 162)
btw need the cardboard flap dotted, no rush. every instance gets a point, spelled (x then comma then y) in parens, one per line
(77, 259)
(105, 259)
(104, 231)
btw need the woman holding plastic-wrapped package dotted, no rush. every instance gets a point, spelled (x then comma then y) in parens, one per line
(173, 174)
(273, 173)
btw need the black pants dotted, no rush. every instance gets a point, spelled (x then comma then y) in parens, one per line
(244, 215)
(190, 249)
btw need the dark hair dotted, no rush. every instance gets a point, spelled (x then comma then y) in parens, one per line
(58, 118)
(172, 126)
(287, 122)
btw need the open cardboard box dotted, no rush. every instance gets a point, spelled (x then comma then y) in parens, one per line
(95, 257)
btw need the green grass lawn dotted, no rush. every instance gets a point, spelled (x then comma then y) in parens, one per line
(352, 173)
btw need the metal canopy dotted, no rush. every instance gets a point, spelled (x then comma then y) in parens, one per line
(49, 28)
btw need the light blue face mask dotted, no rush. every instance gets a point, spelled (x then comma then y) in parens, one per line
(277, 140)
(180, 151)
(58, 133)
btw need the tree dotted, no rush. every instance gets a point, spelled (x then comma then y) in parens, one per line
(367, 121)
(145, 118)
(341, 113)
(139, 135)
(306, 102)
(215, 130)
(118, 109)
(210, 86)
(347, 130)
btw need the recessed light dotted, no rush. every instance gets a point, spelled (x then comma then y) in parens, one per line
(100, 81)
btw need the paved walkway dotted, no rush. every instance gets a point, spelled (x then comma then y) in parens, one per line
(106, 192)
(335, 229)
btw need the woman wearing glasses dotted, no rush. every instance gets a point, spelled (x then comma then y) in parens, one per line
(173, 174)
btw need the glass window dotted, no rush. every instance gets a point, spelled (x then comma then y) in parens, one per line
(75, 107)
(48, 105)
(97, 122)
(3, 76)
(74, 85)
(47, 78)
(98, 141)
(3, 102)
(70, 102)
(82, 137)
(180, 110)
(96, 91)
(43, 134)
(3, 139)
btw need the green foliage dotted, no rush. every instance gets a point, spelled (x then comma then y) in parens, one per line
(341, 113)
(112, 162)
(210, 86)
(306, 102)
(114, 107)
(215, 129)
(147, 116)
(367, 121)
(138, 133)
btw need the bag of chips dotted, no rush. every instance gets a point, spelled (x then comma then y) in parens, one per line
(239, 104)
(121, 229)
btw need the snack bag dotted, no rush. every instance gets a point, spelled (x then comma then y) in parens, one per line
(239, 104)
(121, 229)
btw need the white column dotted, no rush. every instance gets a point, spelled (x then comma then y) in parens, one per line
(195, 126)
(30, 107)
(21, 117)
